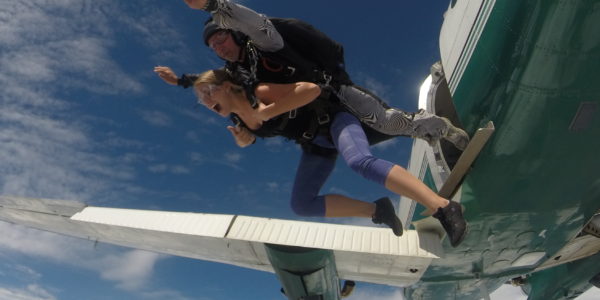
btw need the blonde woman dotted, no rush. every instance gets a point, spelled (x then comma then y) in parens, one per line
(292, 110)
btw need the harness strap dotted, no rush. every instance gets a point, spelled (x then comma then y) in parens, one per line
(252, 81)
(318, 150)
(319, 75)
(237, 121)
(321, 109)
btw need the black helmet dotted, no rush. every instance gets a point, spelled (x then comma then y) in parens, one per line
(210, 28)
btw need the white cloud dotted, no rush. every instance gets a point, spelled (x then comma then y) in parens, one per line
(29, 272)
(156, 118)
(371, 83)
(52, 62)
(178, 169)
(274, 142)
(272, 187)
(51, 52)
(280, 144)
(45, 145)
(165, 168)
(337, 190)
(229, 159)
(160, 168)
(130, 269)
(203, 118)
(129, 158)
(197, 157)
(192, 136)
(12, 270)
(169, 294)
(50, 158)
(233, 157)
(30, 292)
(155, 29)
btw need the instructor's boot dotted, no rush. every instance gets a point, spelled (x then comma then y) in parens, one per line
(432, 128)
(453, 222)
(385, 213)
(458, 137)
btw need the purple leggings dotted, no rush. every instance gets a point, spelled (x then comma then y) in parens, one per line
(351, 142)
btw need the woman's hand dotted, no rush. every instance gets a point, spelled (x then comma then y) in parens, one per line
(243, 137)
(166, 74)
(262, 111)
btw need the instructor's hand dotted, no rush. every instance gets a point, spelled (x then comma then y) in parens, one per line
(195, 4)
(243, 137)
(166, 74)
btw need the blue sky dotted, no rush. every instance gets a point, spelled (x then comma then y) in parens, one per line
(83, 117)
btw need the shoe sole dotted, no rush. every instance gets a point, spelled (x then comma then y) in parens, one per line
(462, 237)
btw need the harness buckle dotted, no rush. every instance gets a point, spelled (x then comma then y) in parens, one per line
(308, 136)
(292, 70)
(327, 78)
(323, 119)
(236, 120)
(292, 114)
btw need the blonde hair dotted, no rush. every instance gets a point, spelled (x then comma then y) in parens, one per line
(217, 77)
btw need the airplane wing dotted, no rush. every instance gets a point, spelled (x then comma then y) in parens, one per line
(343, 251)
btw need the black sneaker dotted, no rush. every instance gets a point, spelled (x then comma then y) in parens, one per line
(453, 222)
(385, 213)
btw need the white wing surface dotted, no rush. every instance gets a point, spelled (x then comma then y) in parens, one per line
(361, 253)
